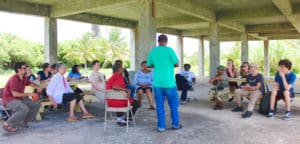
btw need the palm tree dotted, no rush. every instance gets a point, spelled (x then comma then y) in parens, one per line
(113, 47)
(82, 49)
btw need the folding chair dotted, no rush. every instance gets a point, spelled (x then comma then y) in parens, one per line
(117, 95)
(6, 114)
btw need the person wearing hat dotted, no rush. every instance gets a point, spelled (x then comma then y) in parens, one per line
(220, 82)
(254, 87)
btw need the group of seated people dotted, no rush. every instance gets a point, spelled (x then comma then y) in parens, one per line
(59, 91)
(254, 87)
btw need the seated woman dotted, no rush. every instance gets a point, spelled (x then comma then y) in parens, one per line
(53, 69)
(97, 80)
(45, 74)
(74, 74)
(30, 75)
(60, 92)
(116, 82)
(219, 93)
(143, 80)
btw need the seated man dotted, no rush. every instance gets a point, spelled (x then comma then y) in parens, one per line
(14, 99)
(185, 85)
(220, 91)
(59, 91)
(97, 80)
(284, 88)
(254, 87)
(116, 82)
(143, 80)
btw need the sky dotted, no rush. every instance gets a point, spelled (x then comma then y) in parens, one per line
(32, 28)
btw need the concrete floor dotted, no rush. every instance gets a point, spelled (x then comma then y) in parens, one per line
(200, 123)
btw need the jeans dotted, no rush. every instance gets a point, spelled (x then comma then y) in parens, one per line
(172, 97)
(132, 89)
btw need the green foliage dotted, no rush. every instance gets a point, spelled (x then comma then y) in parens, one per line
(13, 49)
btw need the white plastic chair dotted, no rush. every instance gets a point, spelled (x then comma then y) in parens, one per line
(117, 95)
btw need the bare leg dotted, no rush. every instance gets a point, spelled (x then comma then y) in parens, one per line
(150, 98)
(72, 108)
(140, 95)
(82, 107)
(273, 98)
(287, 100)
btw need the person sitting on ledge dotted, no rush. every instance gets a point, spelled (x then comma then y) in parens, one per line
(15, 99)
(59, 91)
(254, 88)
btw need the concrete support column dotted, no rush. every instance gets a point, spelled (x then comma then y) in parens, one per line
(266, 58)
(245, 48)
(50, 27)
(96, 30)
(134, 51)
(201, 56)
(147, 31)
(214, 48)
(180, 53)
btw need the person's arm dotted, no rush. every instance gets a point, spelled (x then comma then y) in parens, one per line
(150, 61)
(37, 87)
(287, 86)
(54, 104)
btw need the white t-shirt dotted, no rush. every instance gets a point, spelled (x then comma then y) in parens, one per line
(188, 75)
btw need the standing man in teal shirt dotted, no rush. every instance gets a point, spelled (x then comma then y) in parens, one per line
(163, 59)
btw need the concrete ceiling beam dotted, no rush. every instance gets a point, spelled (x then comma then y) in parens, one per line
(280, 27)
(70, 7)
(175, 21)
(169, 31)
(24, 8)
(102, 20)
(285, 6)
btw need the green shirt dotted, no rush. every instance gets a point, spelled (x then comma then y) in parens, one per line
(163, 59)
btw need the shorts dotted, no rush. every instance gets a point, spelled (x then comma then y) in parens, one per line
(67, 97)
(281, 96)
(144, 89)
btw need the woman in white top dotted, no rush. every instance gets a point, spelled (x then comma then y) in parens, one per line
(97, 80)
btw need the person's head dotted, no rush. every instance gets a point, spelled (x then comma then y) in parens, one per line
(246, 65)
(117, 68)
(61, 68)
(285, 65)
(220, 69)
(187, 67)
(46, 67)
(162, 40)
(96, 65)
(230, 63)
(54, 68)
(20, 68)
(144, 65)
(118, 62)
(28, 70)
(254, 68)
(75, 69)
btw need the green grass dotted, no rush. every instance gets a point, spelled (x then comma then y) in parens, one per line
(5, 74)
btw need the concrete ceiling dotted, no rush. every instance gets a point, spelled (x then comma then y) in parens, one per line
(261, 19)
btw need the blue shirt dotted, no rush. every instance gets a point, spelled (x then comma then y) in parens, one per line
(74, 75)
(43, 76)
(290, 78)
(143, 78)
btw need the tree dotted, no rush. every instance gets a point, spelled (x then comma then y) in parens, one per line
(112, 47)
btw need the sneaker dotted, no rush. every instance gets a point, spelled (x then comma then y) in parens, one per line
(161, 129)
(271, 114)
(287, 115)
(183, 102)
(176, 127)
(238, 109)
(247, 114)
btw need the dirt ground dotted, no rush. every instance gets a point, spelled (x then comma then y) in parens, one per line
(201, 125)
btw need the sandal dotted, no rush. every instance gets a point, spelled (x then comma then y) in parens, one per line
(73, 119)
(9, 128)
(88, 116)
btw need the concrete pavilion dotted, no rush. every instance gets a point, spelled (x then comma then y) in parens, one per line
(213, 20)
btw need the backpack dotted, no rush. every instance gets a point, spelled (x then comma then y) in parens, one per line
(264, 105)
